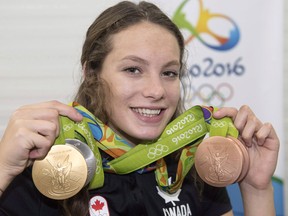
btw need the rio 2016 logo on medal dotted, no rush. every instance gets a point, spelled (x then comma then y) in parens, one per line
(206, 30)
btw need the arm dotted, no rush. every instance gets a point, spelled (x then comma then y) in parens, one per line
(258, 201)
(263, 147)
(30, 133)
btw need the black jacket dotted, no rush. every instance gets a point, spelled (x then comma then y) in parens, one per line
(131, 194)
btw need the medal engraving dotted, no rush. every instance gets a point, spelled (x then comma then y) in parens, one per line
(61, 174)
(219, 161)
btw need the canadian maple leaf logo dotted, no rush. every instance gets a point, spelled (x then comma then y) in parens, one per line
(98, 205)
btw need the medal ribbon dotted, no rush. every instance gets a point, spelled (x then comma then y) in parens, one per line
(215, 127)
(186, 131)
(81, 131)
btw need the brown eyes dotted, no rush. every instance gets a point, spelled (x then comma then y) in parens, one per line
(171, 74)
(136, 70)
(132, 70)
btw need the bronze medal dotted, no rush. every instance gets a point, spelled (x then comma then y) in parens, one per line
(246, 159)
(219, 161)
(62, 173)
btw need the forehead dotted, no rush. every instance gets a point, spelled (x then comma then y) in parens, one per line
(143, 36)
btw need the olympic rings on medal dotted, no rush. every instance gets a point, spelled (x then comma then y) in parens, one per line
(158, 150)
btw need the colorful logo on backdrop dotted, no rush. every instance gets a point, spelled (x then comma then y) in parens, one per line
(218, 32)
(206, 31)
(202, 30)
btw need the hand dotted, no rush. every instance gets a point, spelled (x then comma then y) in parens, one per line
(30, 133)
(262, 142)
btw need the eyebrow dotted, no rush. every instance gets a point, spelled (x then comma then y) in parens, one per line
(145, 62)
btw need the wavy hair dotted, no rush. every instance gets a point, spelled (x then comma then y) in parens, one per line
(93, 91)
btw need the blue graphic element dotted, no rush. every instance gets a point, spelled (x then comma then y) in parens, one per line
(95, 128)
(207, 114)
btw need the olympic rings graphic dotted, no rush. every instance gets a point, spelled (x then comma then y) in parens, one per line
(67, 127)
(158, 150)
(218, 124)
(210, 95)
(202, 27)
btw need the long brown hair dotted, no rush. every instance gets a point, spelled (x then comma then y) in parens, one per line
(93, 91)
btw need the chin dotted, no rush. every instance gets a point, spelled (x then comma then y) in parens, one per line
(148, 138)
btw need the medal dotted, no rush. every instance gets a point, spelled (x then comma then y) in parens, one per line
(69, 167)
(65, 170)
(88, 156)
(246, 160)
(221, 161)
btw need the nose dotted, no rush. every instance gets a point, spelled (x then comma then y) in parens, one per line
(154, 88)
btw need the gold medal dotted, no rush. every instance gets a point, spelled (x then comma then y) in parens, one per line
(219, 161)
(62, 173)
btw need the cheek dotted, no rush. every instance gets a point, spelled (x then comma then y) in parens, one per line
(121, 92)
(173, 92)
(126, 87)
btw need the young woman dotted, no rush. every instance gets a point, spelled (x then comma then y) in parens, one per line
(132, 61)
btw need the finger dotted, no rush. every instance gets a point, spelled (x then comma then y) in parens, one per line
(23, 140)
(41, 152)
(39, 113)
(48, 129)
(62, 109)
(43, 127)
(244, 116)
(225, 112)
(41, 138)
(244, 120)
(49, 115)
(267, 131)
(239, 118)
(248, 132)
(31, 135)
(41, 146)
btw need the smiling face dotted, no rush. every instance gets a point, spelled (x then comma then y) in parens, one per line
(142, 72)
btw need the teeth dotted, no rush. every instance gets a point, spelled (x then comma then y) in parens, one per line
(147, 112)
